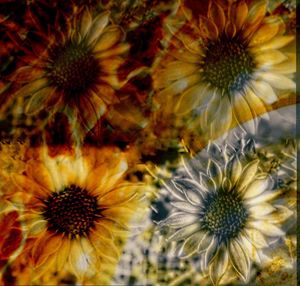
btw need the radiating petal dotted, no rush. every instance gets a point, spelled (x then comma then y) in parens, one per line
(239, 259)
(219, 265)
(234, 169)
(256, 238)
(178, 86)
(264, 197)
(187, 207)
(180, 219)
(265, 92)
(243, 113)
(189, 247)
(239, 12)
(247, 174)
(217, 15)
(38, 100)
(278, 216)
(184, 232)
(86, 22)
(269, 58)
(257, 187)
(31, 87)
(191, 190)
(276, 43)
(214, 171)
(192, 98)
(210, 251)
(259, 211)
(266, 228)
(265, 33)
(109, 38)
(98, 25)
(278, 81)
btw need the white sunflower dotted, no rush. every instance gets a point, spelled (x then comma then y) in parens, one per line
(223, 212)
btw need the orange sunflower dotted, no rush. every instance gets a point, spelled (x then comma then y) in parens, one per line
(76, 210)
(227, 67)
(73, 69)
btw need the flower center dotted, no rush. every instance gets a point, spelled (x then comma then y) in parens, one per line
(72, 69)
(227, 65)
(72, 211)
(224, 214)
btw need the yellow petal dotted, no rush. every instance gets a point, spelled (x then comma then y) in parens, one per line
(113, 51)
(216, 15)
(86, 22)
(286, 67)
(265, 33)
(268, 58)
(191, 99)
(239, 12)
(176, 87)
(31, 87)
(276, 43)
(98, 25)
(109, 38)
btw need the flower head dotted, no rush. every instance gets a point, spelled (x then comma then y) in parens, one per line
(223, 212)
(227, 67)
(72, 69)
(76, 209)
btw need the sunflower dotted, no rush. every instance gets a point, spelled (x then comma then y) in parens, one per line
(76, 210)
(72, 69)
(227, 67)
(223, 212)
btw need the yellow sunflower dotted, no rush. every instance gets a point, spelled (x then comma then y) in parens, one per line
(76, 210)
(73, 69)
(228, 66)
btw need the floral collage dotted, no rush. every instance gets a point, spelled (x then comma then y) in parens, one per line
(148, 142)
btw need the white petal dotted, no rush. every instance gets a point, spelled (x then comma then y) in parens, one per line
(239, 259)
(184, 232)
(214, 171)
(186, 207)
(264, 91)
(179, 219)
(264, 197)
(278, 81)
(279, 216)
(219, 265)
(189, 246)
(256, 238)
(247, 175)
(257, 187)
(191, 190)
(258, 211)
(266, 228)
(210, 252)
(234, 169)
